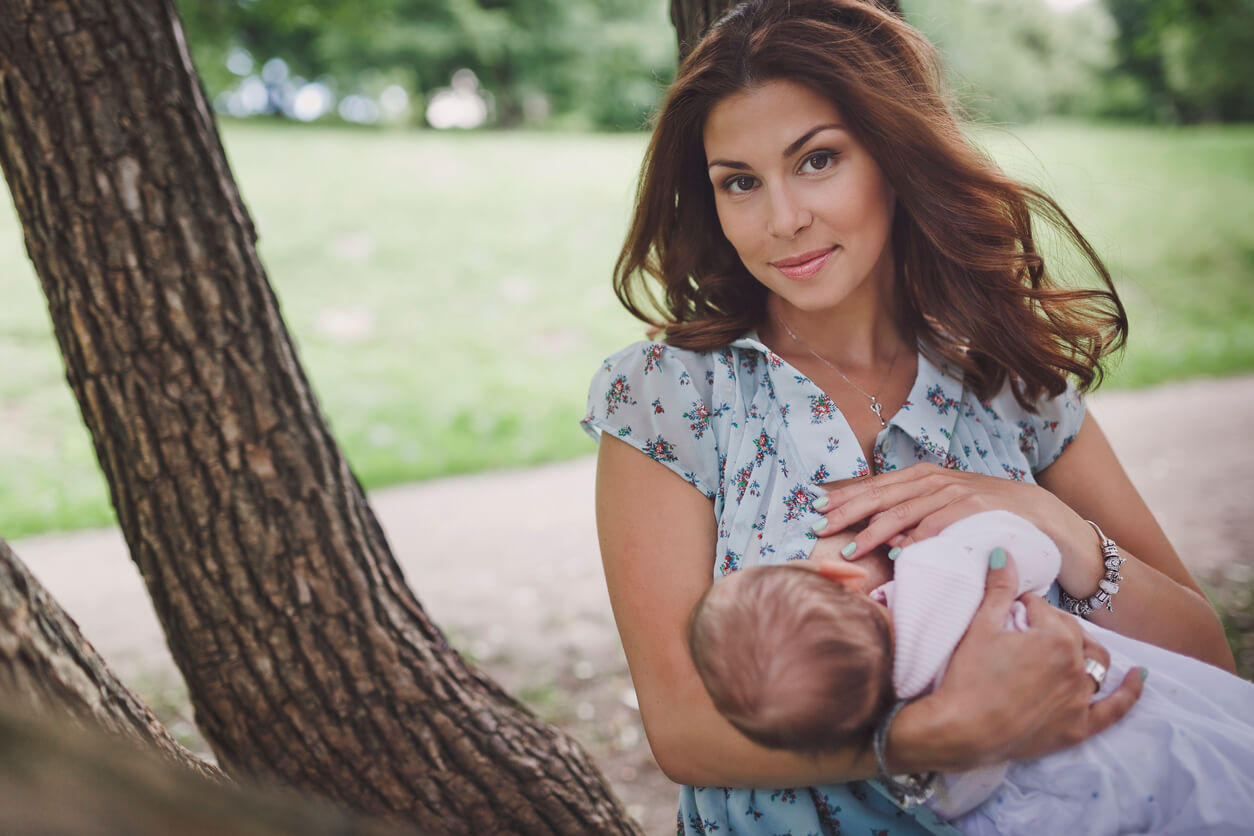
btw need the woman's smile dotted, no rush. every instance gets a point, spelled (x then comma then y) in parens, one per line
(805, 265)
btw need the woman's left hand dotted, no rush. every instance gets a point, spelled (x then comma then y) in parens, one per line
(917, 502)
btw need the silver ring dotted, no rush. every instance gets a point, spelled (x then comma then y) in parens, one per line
(1096, 671)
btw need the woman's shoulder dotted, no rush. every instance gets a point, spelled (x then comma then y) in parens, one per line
(650, 356)
(659, 363)
(1045, 407)
(657, 398)
(1044, 427)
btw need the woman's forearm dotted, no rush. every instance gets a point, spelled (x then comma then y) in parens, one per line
(693, 744)
(1158, 600)
(1156, 609)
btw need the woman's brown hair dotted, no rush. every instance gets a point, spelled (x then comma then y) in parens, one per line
(971, 283)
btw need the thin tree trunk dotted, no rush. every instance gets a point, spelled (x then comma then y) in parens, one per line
(307, 658)
(46, 663)
(692, 18)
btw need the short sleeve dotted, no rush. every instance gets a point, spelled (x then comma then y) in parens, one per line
(1055, 424)
(657, 399)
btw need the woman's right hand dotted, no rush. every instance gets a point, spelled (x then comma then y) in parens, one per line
(1015, 695)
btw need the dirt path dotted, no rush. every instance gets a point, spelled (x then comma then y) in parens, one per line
(507, 564)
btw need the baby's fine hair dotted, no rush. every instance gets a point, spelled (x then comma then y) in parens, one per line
(792, 659)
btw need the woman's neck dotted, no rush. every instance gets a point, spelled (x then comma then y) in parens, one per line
(859, 334)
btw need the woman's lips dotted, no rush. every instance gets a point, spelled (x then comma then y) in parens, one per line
(805, 265)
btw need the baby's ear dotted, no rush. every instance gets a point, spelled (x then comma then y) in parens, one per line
(849, 575)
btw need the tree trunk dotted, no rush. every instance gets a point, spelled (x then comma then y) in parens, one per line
(46, 663)
(693, 17)
(308, 660)
(119, 790)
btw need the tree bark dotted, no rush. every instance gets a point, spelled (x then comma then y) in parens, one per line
(46, 663)
(308, 660)
(116, 789)
(693, 18)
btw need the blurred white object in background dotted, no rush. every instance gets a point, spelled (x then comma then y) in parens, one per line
(460, 105)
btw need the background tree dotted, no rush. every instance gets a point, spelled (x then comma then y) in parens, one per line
(1183, 60)
(45, 662)
(308, 660)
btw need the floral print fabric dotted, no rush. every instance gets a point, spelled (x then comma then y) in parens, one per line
(759, 438)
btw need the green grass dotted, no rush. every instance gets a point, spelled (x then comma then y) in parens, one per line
(450, 295)
(1169, 210)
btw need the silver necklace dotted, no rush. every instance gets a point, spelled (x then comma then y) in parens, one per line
(876, 406)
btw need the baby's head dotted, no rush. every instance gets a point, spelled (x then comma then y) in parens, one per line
(794, 656)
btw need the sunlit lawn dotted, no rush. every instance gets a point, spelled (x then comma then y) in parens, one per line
(450, 295)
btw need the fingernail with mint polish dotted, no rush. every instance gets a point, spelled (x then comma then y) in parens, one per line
(818, 525)
(849, 549)
(820, 503)
(894, 552)
(997, 558)
(1144, 674)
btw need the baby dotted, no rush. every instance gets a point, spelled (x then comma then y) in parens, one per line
(797, 659)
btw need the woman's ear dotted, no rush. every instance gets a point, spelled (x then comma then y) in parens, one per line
(848, 575)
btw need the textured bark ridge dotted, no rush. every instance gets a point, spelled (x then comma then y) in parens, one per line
(308, 659)
(117, 790)
(45, 662)
(693, 17)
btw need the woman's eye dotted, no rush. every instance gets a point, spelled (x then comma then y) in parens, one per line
(818, 161)
(739, 184)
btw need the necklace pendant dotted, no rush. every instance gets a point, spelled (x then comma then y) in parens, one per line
(878, 409)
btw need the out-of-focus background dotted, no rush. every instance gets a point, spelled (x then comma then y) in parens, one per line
(441, 188)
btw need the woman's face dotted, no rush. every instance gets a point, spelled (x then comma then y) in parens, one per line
(803, 203)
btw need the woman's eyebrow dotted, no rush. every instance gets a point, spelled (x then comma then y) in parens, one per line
(793, 148)
(808, 135)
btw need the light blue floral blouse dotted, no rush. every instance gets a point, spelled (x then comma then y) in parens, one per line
(757, 437)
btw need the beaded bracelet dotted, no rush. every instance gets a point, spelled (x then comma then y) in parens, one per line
(907, 790)
(1106, 587)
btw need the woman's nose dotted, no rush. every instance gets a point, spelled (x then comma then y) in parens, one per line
(787, 215)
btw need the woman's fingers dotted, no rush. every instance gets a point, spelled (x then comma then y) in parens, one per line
(846, 489)
(1105, 712)
(1028, 692)
(829, 548)
(1095, 652)
(923, 516)
(1000, 588)
(1042, 615)
(857, 499)
(921, 501)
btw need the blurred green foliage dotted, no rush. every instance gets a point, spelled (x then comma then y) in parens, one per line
(1151, 60)
(1018, 60)
(601, 61)
(603, 64)
(1183, 60)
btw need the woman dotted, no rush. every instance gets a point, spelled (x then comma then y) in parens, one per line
(844, 282)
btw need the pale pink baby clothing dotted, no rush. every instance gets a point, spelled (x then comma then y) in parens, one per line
(1181, 761)
(938, 585)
